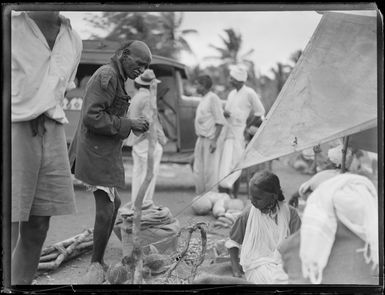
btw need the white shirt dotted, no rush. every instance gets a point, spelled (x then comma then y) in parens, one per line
(40, 76)
(140, 106)
(209, 112)
(241, 103)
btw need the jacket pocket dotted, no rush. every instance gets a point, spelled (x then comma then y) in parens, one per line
(100, 145)
(119, 106)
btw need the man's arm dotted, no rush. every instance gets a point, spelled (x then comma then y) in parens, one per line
(234, 258)
(79, 48)
(216, 110)
(213, 143)
(256, 116)
(295, 220)
(257, 107)
(233, 244)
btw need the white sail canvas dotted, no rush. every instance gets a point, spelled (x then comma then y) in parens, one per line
(331, 93)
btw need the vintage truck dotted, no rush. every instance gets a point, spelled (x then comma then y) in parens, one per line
(176, 111)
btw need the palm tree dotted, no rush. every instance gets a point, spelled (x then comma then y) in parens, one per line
(229, 54)
(160, 31)
(281, 73)
(122, 26)
(172, 39)
(294, 57)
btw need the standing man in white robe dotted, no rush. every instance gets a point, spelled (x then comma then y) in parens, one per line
(241, 102)
(208, 123)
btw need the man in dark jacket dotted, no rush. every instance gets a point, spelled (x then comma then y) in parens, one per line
(96, 152)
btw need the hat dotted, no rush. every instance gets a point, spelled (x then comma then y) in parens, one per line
(238, 73)
(146, 78)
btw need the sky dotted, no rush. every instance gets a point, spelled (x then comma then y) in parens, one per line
(274, 36)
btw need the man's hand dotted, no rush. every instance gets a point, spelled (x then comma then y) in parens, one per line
(140, 125)
(213, 146)
(317, 149)
(226, 114)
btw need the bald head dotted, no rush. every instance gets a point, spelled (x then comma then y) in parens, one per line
(141, 49)
(135, 57)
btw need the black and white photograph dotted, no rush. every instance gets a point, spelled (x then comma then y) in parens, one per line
(214, 146)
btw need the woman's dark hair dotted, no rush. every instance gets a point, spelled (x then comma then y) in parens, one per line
(268, 182)
(205, 81)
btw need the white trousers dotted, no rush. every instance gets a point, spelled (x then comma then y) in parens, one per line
(205, 167)
(232, 151)
(139, 155)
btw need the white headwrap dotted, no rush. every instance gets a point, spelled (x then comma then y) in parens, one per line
(239, 73)
(335, 154)
(353, 200)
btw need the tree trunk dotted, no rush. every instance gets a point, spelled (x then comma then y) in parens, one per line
(137, 247)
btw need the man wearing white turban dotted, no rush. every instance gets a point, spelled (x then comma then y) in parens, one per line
(242, 101)
(335, 156)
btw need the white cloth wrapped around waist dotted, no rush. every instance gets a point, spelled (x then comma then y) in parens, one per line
(274, 258)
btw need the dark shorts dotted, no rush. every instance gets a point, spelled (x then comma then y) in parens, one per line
(41, 178)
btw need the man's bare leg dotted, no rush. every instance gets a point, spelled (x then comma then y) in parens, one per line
(106, 212)
(14, 235)
(26, 256)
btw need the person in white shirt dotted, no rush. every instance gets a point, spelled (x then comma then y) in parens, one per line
(241, 102)
(140, 107)
(45, 56)
(209, 121)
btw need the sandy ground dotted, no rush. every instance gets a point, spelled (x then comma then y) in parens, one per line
(175, 190)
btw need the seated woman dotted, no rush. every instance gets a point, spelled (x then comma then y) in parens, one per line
(259, 230)
(338, 240)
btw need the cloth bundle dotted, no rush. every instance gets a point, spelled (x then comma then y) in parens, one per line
(151, 217)
(157, 226)
(350, 199)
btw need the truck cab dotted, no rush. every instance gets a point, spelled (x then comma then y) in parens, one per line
(176, 111)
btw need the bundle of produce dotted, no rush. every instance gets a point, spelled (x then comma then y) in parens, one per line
(204, 204)
(154, 264)
(53, 256)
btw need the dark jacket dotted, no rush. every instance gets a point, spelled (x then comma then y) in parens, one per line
(96, 151)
